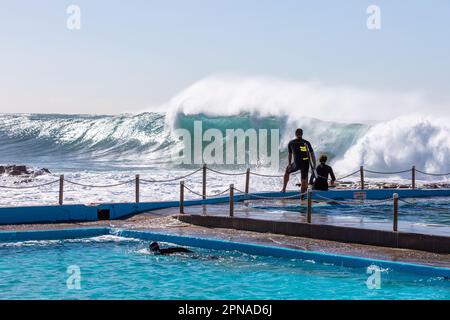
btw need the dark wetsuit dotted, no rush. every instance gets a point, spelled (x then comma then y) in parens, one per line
(154, 247)
(321, 182)
(174, 250)
(300, 149)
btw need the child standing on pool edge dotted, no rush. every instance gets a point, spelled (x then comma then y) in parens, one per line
(323, 171)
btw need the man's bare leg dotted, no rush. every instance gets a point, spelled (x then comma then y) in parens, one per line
(285, 181)
(304, 187)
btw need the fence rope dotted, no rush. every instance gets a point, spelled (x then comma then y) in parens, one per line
(210, 195)
(392, 172)
(99, 186)
(192, 191)
(219, 193)
(266, 175)
(434, 174)
(273, 175)
(349, 175)
(171, 179)
(226, 173)
(218, 172)
(30, 187)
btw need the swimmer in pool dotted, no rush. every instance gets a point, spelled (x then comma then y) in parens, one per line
(154, 247)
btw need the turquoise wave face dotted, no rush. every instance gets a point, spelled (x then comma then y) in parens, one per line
(327, 137)
(57, 139)
(119, 268)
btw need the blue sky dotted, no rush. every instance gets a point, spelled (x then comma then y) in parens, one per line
(132, 55)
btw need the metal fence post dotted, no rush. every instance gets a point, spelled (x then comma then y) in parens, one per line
(231, 200)
(61, 190)
(137, 186)
(309, 211)
(413, 177)
(361, 171)
(182, 197)
(395, 222)
(247, 181)
(204, 182)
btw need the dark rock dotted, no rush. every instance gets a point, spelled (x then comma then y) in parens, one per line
(14, 170)
(40, 172)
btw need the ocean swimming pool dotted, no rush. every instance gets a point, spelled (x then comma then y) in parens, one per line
(117, 267)
(421, 215)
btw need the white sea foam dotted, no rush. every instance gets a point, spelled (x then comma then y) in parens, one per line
(228, 95)
(398, 144)
(30, 243)
(103, 238)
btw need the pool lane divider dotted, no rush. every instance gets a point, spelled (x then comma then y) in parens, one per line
(225, 245)
(112, 211)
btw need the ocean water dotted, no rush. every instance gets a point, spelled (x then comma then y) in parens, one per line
(112, 267)
(104, 150)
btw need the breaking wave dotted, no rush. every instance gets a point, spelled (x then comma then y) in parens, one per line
(329, 117)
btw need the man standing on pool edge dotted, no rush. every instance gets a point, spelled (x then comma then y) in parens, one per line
(303, 155)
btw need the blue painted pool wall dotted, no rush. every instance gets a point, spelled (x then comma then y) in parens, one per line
(53, 234)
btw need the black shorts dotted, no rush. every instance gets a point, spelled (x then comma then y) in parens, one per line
(303, 167)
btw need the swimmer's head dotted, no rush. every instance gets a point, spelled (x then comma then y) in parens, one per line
(154, 246)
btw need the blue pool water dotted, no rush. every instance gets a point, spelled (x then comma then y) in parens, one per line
(113, 267)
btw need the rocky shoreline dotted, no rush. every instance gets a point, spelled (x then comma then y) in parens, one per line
(22, 171)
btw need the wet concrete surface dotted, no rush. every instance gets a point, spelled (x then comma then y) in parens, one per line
(163, 221)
